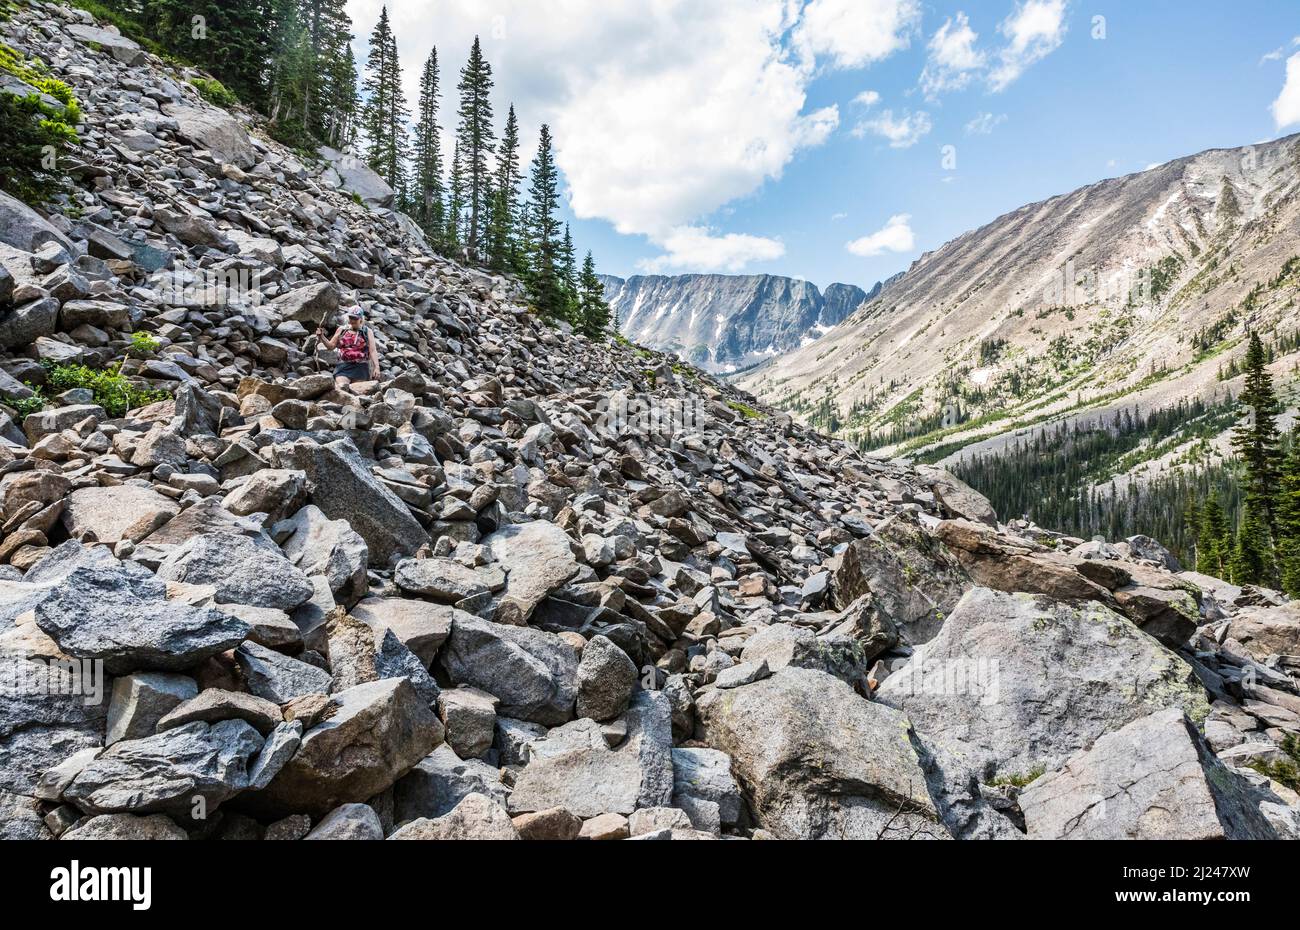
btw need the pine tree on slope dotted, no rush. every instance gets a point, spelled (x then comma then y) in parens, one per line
(477, 143)
(430, 211)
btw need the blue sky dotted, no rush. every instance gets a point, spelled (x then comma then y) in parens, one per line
(759, 122)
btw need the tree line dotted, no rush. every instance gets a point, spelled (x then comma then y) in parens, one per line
(1238, 519)
(293, 60)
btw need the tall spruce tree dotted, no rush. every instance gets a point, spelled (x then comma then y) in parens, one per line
(505, 248)
(477, 143)
(385, 111)
(1212, 543)
(427, 170)
(1256, 442)
(569, 278)
(1288, 518)
(544, 283)
(595, 312)
(451, 239)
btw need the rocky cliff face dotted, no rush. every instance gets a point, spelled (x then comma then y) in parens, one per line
(528, 585)
(724, 323)
(1135, 291)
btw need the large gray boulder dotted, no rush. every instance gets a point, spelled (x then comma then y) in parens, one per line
(418, 625)
(211, 128)
(817, 761)
(538, 558)
(353, 175)
(1016, 683)
(24, 228)
(1154, 779)
(575, 768)
(168, 772)
(534, 673)
(21, 326)
(377, 733)
(478, 817)
(277, 677)
(318, 545)
(244, 570)
(121, 616)
(344, 488)
(359, 653)
(606, 679)
(109, 515)
(442, 780)
(114, 43)
(914, 582)
(52, 717)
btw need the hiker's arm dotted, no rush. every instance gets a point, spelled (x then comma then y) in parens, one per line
(330, 343)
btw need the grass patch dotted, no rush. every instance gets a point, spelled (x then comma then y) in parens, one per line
(746, 411)
(1018, 780)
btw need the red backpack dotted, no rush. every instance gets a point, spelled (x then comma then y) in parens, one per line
(354, 345)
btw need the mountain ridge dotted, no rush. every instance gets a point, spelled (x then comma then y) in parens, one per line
(725, 323)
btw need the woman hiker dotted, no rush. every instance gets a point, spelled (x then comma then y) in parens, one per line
(358, 356)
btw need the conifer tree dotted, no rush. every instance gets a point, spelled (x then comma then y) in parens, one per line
(451, 238)
(506, 247)
(1255, 440)
(477, 143)
(1252, 557)
(595, 312)
(569, 278)
(1288, 518)
(386, 113)
(1212, 539)
(429, 195)
(544, 282)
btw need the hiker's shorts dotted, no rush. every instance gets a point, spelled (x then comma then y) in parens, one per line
(353, 371)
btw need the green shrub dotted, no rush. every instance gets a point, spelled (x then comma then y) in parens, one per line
(143, 345)
(25, 406)
(113, 390)
(37, 133)
(1283, 771)
(214, 92)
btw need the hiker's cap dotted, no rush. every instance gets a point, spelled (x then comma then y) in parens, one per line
(357, 313)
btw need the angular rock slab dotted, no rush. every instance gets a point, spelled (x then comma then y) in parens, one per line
(344, 488)
(241, 568)
(574, 767)
(1154, 779)
(379, 731)
(817, 761)
(477, 817)
(167, 772)
(538, 558)
(533, 673)
(109, 515)
(1017, 683)
(47, 715)
(121, 617)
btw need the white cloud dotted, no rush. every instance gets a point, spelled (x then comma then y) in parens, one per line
(953, 59)
(1286, 108)
(662, 112)
(854, 33)
(698, 248)
(836, 217)
(868, 98)
(896, 236)
(984, 124)
(903, 131)
(1280, 52)
(1034, 30)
